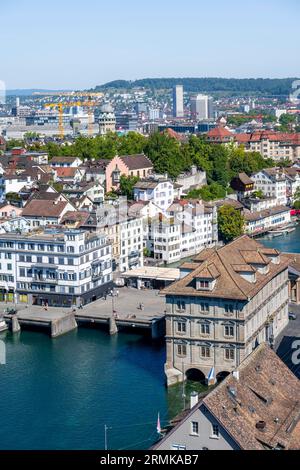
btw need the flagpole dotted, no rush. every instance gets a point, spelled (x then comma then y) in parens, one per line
(105, 436)
(183, 386)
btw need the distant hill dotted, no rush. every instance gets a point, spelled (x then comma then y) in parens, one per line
(265, 86)
(28, 92)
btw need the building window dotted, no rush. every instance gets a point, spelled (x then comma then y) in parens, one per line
(229, 354)
(180, 305)
(204, 284)
(215, 430)
(228, 330)
(181, 327)
(178, 447)
(195, 428)
(204, 307)
(181, 350)
(205, 351)
(229, 308)
(205, 329)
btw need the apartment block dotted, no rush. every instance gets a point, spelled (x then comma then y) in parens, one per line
(273, 183)
(54, 267)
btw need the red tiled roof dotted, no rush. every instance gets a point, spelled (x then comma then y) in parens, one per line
(219, 132)
(257, 136)
(66, 172)
(44, 208)
(136, 162)
(173, 134)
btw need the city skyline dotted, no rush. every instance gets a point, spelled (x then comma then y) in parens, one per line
(78, 48)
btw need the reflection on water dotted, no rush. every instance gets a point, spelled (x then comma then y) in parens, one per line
(176, 400)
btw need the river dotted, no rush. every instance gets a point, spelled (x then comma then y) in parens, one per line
(60, 393)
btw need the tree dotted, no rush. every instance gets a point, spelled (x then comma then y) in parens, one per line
(258, 194)
(296, 205)
(220, 166)
(208, 192)
(199, 152)
(287, 122)
(126, 185)
(230, 223)
(166, 154)
(131, 143)
(10, 144)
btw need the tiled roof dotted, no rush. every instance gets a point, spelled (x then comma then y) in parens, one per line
(273, 136)
(62, 159)
(66, 172)
(245, 179)
(229, 284)
(261, 409)
(252, 216)
(44, 208)
(147, 184)
(171, 133)
(136, 162)
(45, 195)
(219, 133)
(294, 260)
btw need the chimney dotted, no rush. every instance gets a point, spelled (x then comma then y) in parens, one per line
(194, 399)
(236, 375)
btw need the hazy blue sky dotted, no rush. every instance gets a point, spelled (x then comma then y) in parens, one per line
(77, 44)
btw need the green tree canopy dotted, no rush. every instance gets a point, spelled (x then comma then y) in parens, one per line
(126, 185)
(166, 155)
(208, 192)
(230, 222)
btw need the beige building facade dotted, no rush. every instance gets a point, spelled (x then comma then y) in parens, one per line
(229, 301)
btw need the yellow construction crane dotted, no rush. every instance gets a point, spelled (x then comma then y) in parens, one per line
(61, 105)
(69, 93)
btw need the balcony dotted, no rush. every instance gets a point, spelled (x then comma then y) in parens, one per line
(134, 254)
(44, 279)
(97, 276)
(43, 265)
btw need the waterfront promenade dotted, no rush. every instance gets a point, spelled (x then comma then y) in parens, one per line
(127, 308)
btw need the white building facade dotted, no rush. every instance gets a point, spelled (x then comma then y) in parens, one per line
(272, 182)
(54, 268)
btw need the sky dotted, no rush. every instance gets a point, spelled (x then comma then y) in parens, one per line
(72, 44)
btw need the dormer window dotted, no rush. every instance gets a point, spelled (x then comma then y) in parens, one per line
(205, 284)
(246, 271)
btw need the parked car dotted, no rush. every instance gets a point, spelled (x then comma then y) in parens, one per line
(292, 316)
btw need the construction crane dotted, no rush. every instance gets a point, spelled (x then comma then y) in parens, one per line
(69, 93)
(61, 105)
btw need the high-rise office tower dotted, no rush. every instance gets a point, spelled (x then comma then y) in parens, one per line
(178, 101)
(202, 107)
(211, 108)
